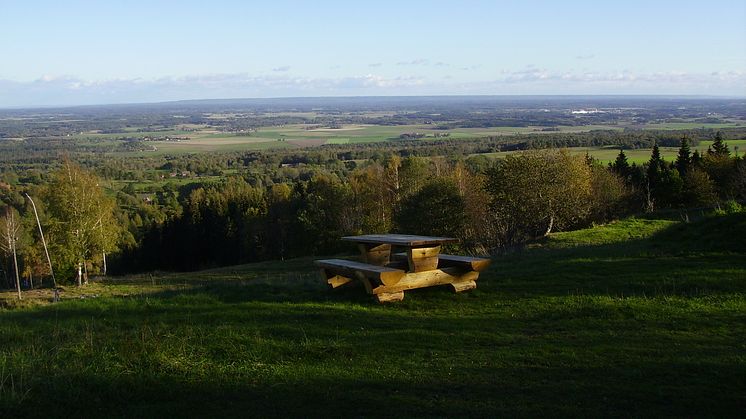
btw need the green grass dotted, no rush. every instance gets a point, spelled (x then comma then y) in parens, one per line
(642, 317)
(206, 139)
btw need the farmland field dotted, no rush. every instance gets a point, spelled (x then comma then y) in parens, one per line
(202, 138)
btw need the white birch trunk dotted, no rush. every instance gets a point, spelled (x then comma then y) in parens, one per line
(43, 242)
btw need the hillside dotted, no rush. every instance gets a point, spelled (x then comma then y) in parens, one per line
(641, 317)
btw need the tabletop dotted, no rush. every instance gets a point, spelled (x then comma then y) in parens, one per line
(401, 239)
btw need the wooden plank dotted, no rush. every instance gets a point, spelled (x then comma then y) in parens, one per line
(401, 239)
(338, 280)
(349, 268)
(389, 296)
(467, 262)
(463, 286)
(428, 279)
(423, 258)
(375, 254)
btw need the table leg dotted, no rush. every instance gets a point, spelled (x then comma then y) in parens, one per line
(422, 258)
(375, 254)
(389, 296)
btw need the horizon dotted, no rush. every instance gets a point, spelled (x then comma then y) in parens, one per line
(83, 53)
(321, 98)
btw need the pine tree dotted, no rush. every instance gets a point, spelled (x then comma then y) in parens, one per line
(655, 165)
(684, 159)
(621, 165)
(718, 147)
(696, 160)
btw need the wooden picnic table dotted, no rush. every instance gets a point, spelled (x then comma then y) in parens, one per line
(393, 263)
(422, 251)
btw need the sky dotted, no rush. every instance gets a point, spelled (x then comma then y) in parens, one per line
(97, 52)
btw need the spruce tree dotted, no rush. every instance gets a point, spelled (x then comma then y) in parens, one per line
(684, 159)
(655, 166)
(696, 160)
(621, 165)
(718, 147)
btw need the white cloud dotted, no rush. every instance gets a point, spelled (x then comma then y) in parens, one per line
(416, 61)
(51, 90)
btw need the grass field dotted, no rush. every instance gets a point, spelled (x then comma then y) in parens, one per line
(643, 317)
(608, 154)
(203, 138)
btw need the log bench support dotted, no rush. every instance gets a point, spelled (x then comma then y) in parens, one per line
(388, 284)
(422, 259)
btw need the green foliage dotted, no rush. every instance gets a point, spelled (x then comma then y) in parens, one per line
(82, 224)
(621, 165)
(719, 148)
(437, 209)
(684, 158)
(609, 196)
(699, 190)
(730, 207)
(533, 193)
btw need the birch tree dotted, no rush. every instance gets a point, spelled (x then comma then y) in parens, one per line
(82, 217)
(10, 230)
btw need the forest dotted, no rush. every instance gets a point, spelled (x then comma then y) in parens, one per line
(106, 213)
(88, 191)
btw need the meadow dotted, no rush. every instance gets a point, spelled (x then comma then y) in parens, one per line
(641, 317)
(203, 138)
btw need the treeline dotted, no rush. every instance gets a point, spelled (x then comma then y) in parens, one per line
(520, 198)
(693, 179)
(267, 210)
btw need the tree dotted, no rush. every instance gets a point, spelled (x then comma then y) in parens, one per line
(739, 179)
(699, 189)
(10, 229)
(696, 159)
(655, 166)
(621, 165)
(684, 159)
(279, 218)
(609, 194)
(538, 191)
(721, 168)
(82, 216)
(718, 147)
(436, 209)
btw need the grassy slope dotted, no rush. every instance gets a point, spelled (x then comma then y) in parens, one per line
(641, 317)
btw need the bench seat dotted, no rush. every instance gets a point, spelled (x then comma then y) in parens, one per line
(349, 269)
(467, 262)
(448, 261)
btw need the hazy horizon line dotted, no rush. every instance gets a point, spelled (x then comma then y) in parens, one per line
(271, 98)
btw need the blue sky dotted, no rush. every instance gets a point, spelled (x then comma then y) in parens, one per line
(85, 52)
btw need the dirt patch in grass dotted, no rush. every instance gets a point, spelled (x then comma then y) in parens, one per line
(309, 142)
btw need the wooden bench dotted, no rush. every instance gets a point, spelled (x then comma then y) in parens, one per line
(447, 261)
(466, 262)
(340, 271)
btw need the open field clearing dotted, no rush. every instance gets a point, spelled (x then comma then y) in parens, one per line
(607, 154)
(204, 139)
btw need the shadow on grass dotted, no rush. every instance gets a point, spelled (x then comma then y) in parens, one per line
(195, 356)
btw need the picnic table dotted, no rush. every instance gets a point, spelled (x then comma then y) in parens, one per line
(393, 263)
